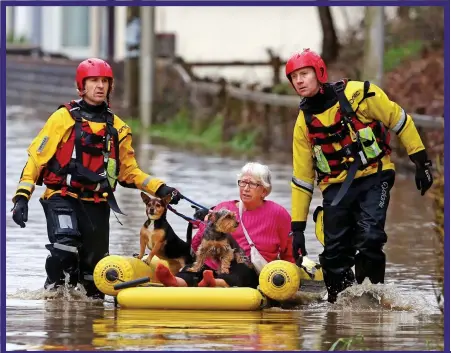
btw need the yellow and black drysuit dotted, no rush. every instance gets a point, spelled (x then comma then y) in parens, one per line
(342, 134)
(80, 154)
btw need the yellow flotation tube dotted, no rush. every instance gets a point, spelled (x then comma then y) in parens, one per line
(280, 280)
(318, 218)
(192, 298)
(114, 269)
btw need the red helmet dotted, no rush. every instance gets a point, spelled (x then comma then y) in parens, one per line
(307, 58)
(93, 67)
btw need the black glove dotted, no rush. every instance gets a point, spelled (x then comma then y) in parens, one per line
(165, 191)
(20, 211)
(200, 213)
(423, 174)
(297, 232)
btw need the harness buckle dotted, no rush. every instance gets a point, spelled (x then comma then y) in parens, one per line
(352, 133)
(347, 151)
(339, 86)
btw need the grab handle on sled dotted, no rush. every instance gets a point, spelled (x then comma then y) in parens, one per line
(131, 283)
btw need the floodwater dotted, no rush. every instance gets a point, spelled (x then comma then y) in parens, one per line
(74, 322)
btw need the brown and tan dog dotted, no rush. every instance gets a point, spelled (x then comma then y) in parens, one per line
(158, 236)
(218, 243)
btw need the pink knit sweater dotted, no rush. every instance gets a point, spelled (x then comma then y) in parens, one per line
(268, 226)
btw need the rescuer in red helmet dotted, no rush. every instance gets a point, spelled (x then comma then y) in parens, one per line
(80, 154)
(342, 134)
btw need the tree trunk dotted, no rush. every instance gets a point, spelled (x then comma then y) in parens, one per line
(331, 46)
(131, 77)
(403, 12)
(373, 56)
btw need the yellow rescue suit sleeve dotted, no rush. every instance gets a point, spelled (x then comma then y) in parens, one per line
(381, 108)
(42, 149)
(129, 172)
(302, 182)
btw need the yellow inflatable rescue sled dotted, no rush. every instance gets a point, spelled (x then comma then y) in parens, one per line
(134, 284)
(278, 281)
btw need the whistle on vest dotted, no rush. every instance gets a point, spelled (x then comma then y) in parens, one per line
(348, 152)
(107, 148)
(108, 143)
(348, 160)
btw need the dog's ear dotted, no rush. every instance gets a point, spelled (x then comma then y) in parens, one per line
(165, 200)
(145, 198)
(212, 217)
(231, 214)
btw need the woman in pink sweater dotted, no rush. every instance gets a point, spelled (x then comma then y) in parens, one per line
(267, 223)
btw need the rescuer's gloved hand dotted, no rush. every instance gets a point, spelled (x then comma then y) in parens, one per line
(298, 242)
(423, 173)
(165, 191)
(20, 211)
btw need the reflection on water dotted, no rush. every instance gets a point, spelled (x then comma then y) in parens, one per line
(73, 322)
(74, 325)
(209, 330)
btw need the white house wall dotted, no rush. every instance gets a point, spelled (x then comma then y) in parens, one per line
(243, 33)
(239, 33)
(226, 33)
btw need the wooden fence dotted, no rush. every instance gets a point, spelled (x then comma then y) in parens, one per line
(273, 115)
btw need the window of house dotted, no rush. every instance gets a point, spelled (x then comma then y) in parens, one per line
(76, 26)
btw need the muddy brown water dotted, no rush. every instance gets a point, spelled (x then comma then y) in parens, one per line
(73, 322)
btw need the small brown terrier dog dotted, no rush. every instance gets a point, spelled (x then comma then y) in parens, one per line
(217, 243)
(158, 236)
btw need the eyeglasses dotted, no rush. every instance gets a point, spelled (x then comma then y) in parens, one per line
(252, 185)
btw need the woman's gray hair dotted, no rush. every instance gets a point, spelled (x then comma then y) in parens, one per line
(259, 172)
